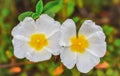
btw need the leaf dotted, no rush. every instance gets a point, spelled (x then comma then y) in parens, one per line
(35, 15)
(108, 30)
(67, 72)
(39, 7)
(70, 8)
(23, 74)
(4, 12)
(117, 42)
(25, 14)
(3, 57)
(51, 8)
(75, 72)
(110, 48)
(41, 67)
(28, 67)
(76, 19)
(109, 72)
(100, 73)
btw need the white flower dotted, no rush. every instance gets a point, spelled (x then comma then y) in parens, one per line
(83, 49)
(36, 40)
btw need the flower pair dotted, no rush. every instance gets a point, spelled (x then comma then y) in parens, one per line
(38, 40)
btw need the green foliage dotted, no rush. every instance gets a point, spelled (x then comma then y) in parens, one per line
(75, 72)
(5, 12)
(23, 74)
(76, 19)
(39, 7)
(100, 73)
(35, 15)
(108, 29)
(67, 73)
(51, 8)
(3, 57)
(25, 14)
(117, 42)
(41, 67)
(109, 72)
(70, 9)
(110, 48)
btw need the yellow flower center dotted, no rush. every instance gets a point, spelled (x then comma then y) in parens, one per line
(38, 41)
(79, 44)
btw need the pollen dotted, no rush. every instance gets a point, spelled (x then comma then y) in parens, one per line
(79, 44)
(38, 41)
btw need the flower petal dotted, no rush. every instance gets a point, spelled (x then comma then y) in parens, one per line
(68, 30)
(68, 57)
(97, 37)
(36, 56)
(97, 44)
(25, 28)
(89, 27)
(98, 50)
(20, 47)
(53, 44)
(86, 61)
(47, 24)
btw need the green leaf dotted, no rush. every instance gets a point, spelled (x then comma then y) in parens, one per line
(109, 72)
(116, 73)
(4, 12)
(3, 57)
(41, 67)
(108, 30)
(100, 73)
(76, 19)
(39, 7)
(70, 8)
(28, 67)
(23, 74)
(25, 14)
(110, 48)
(35, 15)
(51, 8)
(67, 72)
(117, 42)
(75, 72)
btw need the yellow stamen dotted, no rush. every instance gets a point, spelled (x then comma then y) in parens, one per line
(38, 41)
(79, 44)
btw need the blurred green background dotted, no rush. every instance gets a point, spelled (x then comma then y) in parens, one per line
(104, 12)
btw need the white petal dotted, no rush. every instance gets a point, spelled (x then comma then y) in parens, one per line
(68, 30)
(98, 50)
(86, 61)
(20, 48)
(97, 44)
(53, 44)
(97, 37)
(47, 24)
(68, 57)
(22, 38)
(36, 56)
(89, 27)
(25, 28)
